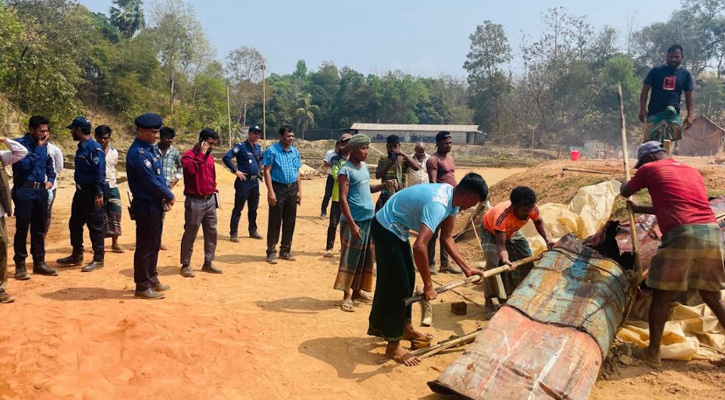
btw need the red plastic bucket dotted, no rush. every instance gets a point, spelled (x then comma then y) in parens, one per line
(575, 155)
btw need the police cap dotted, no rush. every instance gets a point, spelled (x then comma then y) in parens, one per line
(149, 121)
(80, 122)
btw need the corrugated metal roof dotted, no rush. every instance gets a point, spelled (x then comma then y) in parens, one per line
(414, 127)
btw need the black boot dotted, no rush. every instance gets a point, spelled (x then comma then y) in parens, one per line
(41, 268)
(76, 258)
(20, 273)
(92, 266)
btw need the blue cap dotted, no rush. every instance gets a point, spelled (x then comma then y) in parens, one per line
(80, 122)
(255, 128)
(646, 149)
(149, 121)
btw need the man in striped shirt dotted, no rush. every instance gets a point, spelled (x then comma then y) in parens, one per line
(503, 243)
(170, 160)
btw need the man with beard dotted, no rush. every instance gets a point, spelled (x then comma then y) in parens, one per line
(87, 207)
(33, 176)
(441, 169)
(392, 170)
(667, 82)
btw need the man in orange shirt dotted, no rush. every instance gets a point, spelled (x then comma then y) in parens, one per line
(503, 243)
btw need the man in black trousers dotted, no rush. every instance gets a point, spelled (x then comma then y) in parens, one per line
(282, 165)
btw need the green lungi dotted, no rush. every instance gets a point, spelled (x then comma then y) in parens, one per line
(395, 282)
(356, 259)
(665, 125)
(690, 257)
(518, 248)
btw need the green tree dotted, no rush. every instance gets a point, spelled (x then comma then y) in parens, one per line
(244, 67)
(306, 113)
(487, 84)
(128, 16)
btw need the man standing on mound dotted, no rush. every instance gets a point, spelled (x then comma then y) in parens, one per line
(422, 208)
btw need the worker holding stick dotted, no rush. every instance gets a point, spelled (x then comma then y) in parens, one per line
(422, 208)
(691, 255)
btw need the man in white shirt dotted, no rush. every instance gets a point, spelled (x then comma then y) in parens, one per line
(113, 205)
(57, 155)
(327, 163)
(421, 175)
(8, 157)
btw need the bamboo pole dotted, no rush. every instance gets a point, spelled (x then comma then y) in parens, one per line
(473, 278)
(431, 351)
(588, 171)
(229, 118)
(264, 107)
(627, 176)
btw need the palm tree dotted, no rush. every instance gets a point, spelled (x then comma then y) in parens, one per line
(306, 113)
(127, 16)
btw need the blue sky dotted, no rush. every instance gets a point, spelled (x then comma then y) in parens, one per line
(421, 37)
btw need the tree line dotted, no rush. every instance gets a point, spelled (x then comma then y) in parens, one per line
(60, 59)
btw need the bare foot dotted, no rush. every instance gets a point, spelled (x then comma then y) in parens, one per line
(118, 249)
(396, 353)
(646, 355)
(411, 334)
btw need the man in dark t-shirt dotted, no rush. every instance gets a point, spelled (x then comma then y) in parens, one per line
(667, 82)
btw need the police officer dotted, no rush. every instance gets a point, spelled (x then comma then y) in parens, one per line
(30, 195)
(87, 207)
(150, 197)
(248, 157)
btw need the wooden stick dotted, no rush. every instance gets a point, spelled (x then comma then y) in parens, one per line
(625, 154)
(589, 171)
(471, 279)
(431, 351)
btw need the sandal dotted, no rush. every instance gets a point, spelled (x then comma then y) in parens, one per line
(118, 249)
(362, 296)
(347, 306)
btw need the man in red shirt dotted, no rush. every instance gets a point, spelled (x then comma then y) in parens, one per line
(503, 243)
(441, 169)
(691, 255)
(201, 202)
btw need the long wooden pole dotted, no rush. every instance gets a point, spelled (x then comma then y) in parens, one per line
(264, 106)
(229, 118)
(431, 351)
(473, 278)
(627, 176)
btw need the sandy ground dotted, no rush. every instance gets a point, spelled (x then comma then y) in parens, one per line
(255, 332)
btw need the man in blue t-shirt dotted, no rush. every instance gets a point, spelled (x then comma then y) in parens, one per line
(422, 208)
(667, 82)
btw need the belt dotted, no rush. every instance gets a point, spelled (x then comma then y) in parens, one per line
(194, 196)
(250, 177)
(33, 185)
(83, 186)
(287, 185)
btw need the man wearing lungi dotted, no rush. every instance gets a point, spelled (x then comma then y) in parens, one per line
(422, 208)
(112, 227)
(691, 254)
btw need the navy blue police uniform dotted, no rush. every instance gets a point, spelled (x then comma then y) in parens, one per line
(90, 178)
(248, 159)
(31, 201)
(148, 186)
